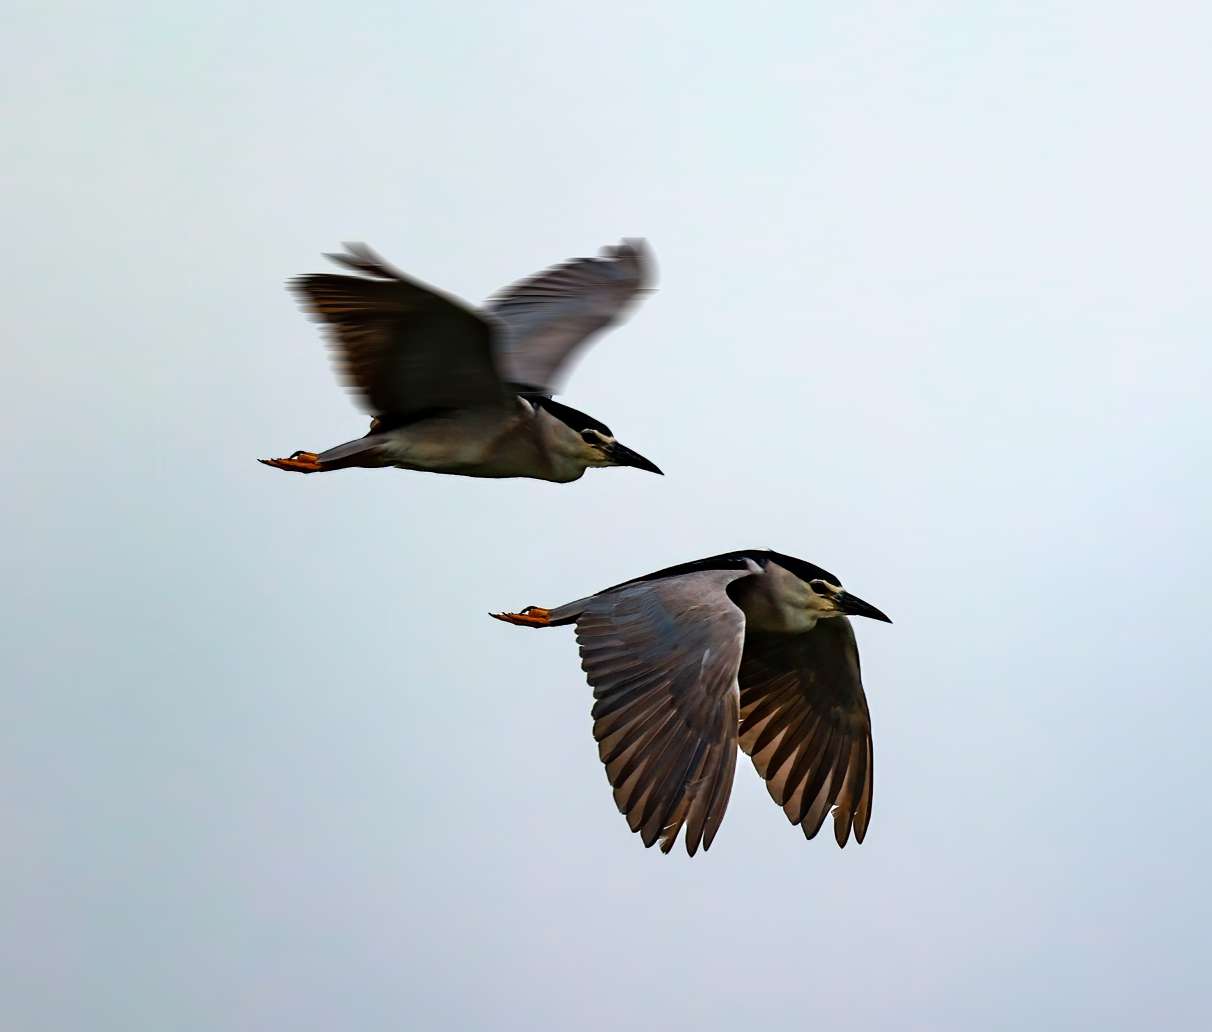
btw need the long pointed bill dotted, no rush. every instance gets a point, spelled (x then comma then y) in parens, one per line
(852, 605)
(621, 455)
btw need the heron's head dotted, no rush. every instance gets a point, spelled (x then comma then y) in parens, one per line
(601, 449)
(826, 599)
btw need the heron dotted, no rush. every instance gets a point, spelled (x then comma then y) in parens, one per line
(454, 390)
(751, 648)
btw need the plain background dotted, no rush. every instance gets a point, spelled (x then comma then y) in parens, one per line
(933, 313)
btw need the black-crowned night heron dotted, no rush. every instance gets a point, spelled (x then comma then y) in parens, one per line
(750, 648)
(455, 390)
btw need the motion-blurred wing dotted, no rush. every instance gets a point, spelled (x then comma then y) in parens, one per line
(549, 316)
(662, 657)
(805, 724)
(403, 347)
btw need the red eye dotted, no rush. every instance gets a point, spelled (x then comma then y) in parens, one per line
(820, 587)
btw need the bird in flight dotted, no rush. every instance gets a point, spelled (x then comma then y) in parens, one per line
(752, 649)
(456, 390)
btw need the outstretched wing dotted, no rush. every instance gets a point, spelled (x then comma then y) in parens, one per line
(403, 347)
(662, 657)
(547, 317)
(805, 724)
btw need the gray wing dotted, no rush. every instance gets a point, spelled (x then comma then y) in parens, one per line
(403, 347)
(805, 724)
(545, 318)
(662, 657)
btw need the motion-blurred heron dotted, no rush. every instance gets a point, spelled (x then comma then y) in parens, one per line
(749, 648)
(455, 390)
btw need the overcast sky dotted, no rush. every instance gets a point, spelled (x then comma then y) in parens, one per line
(933, 313)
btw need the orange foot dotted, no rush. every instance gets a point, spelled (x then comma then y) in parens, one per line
(299, 462)
(531, 616)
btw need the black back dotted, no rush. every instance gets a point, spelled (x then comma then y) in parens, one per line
(565, 414)
(736, 561)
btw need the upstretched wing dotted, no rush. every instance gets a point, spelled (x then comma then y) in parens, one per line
(805, 724)
(662, 657)
(403, 347)
(547, 317)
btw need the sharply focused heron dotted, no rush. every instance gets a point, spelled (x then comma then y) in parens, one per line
(455, 390)
(749, 648)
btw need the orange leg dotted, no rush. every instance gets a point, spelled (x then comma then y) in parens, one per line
(299, 462)
(531, 616)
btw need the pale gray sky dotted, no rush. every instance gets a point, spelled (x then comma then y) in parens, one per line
(933, 313)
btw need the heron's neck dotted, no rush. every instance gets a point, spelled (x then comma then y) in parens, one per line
(775, 600)
(568, 455)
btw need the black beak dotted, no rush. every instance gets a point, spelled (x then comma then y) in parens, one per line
(623, 456)
(852, 605)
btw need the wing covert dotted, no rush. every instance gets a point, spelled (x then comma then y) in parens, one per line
(402, 346)
(662, 658)
(548, 316)
(806, 726)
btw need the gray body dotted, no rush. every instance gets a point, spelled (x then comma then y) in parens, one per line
(518, 441)
(459, 391)
(748, 649)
